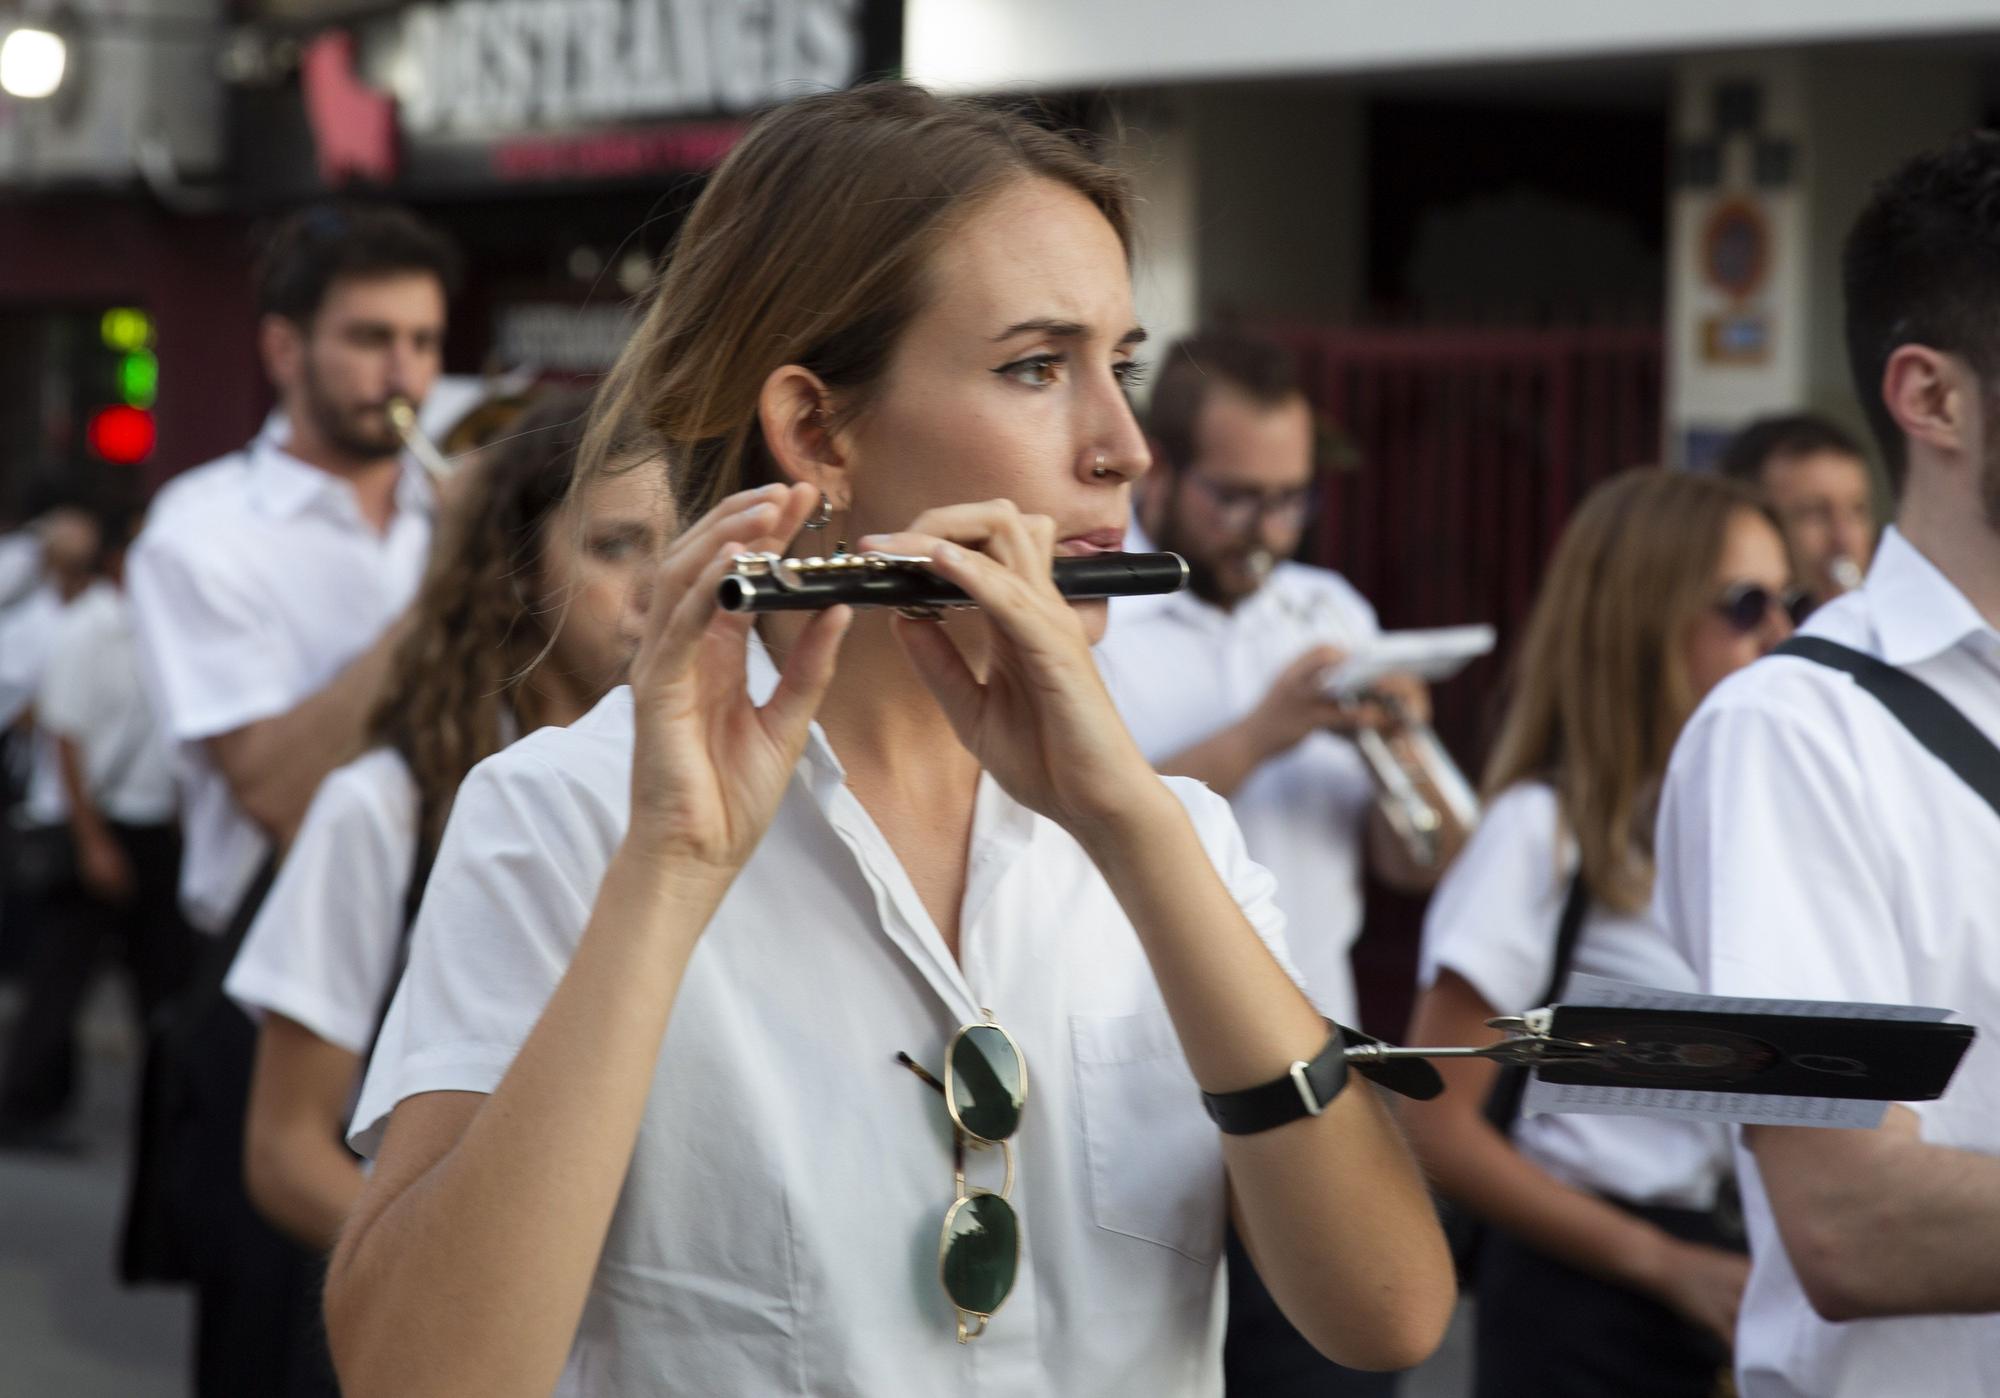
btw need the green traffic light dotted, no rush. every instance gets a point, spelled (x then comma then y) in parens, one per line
(139, 378)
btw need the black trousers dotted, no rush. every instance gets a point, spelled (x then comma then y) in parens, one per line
(1264, 1357)
(38, 1080)
(1545, 1329)
(258, 1329)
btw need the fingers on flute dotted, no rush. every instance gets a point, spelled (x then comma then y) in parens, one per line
(985, 579)
(997, 528)
(696, 608)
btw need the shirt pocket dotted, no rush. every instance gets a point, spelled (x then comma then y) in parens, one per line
(1155, 1161)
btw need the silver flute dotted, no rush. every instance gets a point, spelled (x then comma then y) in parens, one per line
(769, 582)
(403, 417)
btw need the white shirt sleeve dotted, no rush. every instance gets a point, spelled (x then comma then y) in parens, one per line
(1249, 883)
(1493, 919)
(1771, 880)
(515, 879)
(218, 655)
(65, 706)
(323, 947)
(25, 631)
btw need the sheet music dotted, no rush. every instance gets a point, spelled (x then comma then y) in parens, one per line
(1740, 1109)
(1432, 655)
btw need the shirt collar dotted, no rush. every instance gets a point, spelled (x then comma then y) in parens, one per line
(998, 815)
(1917, 611)
(283, 485)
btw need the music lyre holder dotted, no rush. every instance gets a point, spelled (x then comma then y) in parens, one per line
(1705, 1051)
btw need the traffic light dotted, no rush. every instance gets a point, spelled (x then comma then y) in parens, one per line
(122, 432)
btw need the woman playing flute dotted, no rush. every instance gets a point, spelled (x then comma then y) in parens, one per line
(655, 1110)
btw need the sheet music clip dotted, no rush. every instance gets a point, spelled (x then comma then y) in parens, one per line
(1826, 1065)
(1529, 1044)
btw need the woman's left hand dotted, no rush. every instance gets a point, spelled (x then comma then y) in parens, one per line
(1041, 721)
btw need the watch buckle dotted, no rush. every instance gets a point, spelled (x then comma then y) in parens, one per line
(1304, 1084)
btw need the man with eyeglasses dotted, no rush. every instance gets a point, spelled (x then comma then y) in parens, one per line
(1226, 682)
(1830, 830)
(1812, 475)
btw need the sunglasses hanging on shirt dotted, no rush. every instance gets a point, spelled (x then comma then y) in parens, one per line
(979, 1248)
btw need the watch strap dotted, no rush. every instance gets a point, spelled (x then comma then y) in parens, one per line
(1305, 1090)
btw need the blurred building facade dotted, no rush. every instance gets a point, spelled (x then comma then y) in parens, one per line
(559, 140)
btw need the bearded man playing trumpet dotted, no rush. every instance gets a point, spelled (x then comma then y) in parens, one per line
(1227, 682)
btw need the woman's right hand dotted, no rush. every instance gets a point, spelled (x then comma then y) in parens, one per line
(708, 766)
(1705, 1284)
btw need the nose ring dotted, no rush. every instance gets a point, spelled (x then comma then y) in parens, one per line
(1099, 467)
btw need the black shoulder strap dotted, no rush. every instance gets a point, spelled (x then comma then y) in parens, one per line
(1931, 718)
(1503, 1106)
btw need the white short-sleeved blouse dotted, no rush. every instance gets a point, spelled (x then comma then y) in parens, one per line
(323, 947)
(1493, 921)
(778, 1230)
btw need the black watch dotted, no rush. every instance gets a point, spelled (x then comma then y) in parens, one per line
(1304, 1091)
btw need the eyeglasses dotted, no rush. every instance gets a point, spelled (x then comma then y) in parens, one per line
(1241, 508)
(979, 1248)
(1745, 606)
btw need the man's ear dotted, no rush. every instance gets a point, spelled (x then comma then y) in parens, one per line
(795, 409)
(1930, 395)
(281, 343)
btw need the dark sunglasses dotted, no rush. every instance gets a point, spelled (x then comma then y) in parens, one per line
(979, 1249)
(1745, 606)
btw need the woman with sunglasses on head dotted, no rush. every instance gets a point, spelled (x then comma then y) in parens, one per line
(528, 615)
(1663, 584)
(641, 1113)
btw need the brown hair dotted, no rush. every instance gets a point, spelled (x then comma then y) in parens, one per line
(809, 247)
(318, 245)
(479, 625)
(1263, 370)
(1600, 688)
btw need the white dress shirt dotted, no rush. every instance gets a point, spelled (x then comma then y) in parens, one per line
(92, 695)
(1493, 920)
(778, 1229)
(1182, 670)
(323, 946)
(27, 630)
(20, 567)
(27, 634)
(1811, 848)
(254, 586)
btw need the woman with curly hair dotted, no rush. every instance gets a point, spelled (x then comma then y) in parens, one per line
(528, 615)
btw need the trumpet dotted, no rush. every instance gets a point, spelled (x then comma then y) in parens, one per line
(403, 417)
(769, 582)
(1403, 770)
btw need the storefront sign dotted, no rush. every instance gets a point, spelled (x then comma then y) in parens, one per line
(488, 67)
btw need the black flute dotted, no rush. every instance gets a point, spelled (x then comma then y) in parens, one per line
(765, 582)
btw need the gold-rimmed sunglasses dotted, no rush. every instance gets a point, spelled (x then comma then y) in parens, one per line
(979, 1248)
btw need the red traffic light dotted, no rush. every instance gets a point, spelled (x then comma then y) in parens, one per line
(122, 435)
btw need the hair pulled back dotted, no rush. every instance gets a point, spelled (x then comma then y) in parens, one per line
(809, 247)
